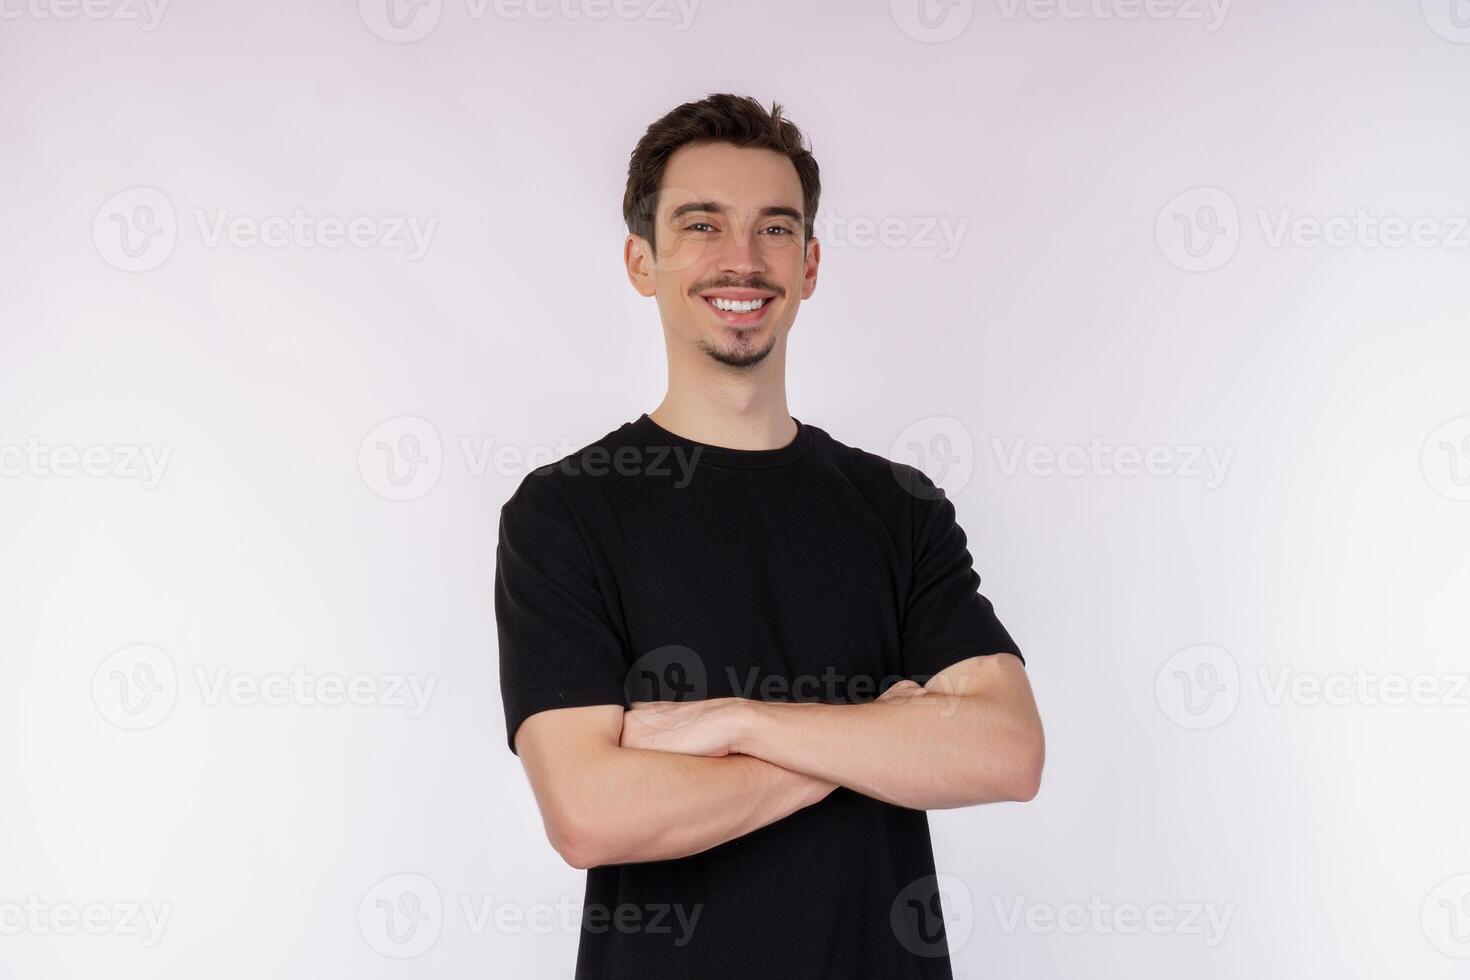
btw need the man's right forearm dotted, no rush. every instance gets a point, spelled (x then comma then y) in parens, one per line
(634, 805)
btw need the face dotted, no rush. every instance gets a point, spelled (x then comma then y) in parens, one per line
(731, 268)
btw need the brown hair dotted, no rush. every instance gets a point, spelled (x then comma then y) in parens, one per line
(719, 118)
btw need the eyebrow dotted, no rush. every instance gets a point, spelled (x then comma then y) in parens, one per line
(715, 207)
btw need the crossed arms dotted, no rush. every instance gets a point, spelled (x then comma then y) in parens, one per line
(663, 780)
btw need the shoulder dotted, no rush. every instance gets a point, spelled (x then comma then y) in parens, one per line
(554, 488)
(878, 476)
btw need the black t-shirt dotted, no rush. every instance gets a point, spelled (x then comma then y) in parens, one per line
(646, 566)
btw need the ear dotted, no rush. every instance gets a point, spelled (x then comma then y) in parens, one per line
(638, 257)
(809, 274)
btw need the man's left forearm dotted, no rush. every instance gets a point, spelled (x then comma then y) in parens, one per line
(936, 751)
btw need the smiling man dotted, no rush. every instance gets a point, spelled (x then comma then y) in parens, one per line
(736, 686)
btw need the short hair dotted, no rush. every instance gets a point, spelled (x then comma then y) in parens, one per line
(720, 118)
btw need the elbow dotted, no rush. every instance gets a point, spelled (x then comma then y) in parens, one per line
(579, 847)
(1025, 785)
(565, 816)
(1014, 774)
(579, 858)
(576, 848)
(1029, 758)
(584, 844)
(1014, 777)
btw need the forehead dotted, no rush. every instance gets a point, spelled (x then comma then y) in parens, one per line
(740, 177)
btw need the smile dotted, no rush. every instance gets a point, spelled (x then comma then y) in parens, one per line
(736, 310)
(735, 306)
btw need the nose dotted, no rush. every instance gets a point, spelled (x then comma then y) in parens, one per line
(738, 252)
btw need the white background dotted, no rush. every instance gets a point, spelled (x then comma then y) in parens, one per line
(1073, 146)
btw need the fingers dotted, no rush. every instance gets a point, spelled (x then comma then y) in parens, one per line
(903, 690)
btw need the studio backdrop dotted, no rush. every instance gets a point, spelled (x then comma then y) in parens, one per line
(1170, 296)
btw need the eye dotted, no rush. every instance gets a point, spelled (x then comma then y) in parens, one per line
(782, 229)
(694, 226)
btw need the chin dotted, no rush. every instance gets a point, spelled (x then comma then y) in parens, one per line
(739, 354)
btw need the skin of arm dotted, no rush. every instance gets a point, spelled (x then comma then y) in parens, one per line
(605, 803)
(973, 737)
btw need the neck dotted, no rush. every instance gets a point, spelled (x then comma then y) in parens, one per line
(739, 408)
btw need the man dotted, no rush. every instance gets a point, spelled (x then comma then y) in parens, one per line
(738, 658)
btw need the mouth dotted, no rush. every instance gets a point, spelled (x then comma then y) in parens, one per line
(739, 307)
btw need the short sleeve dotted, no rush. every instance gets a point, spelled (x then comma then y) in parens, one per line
(946, 619)
(558, 645)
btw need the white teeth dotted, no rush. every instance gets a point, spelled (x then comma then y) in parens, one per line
(734, 306)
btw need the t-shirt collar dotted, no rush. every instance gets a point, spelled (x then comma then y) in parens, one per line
(755, 459)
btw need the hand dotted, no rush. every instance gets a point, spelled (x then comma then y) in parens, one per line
(903, 690)
(705, 727)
